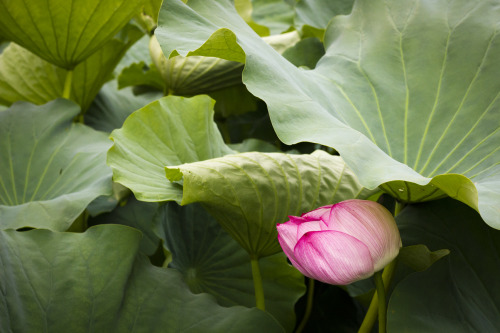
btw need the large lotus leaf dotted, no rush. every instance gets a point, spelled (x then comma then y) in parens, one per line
(50, 168)
(64, 33)
(27, 77)
(459, 293)
(111, 106)
(407, 91)
(250, 193)
(170, 131)
(100, 279)
(212, 262)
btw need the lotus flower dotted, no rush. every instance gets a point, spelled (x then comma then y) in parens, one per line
(342, 243)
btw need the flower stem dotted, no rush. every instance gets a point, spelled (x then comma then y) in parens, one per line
(371, 314)
(399, 207)
(382, 307)
(307, 314)
(67, 85)
(257, 284)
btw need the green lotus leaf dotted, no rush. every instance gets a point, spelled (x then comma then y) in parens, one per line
(212, 262)
(27, 77)
(318, 13)
(306, 53)
(245, 9)
(170, 131)
(64, 33)
(140, 74)
(99, 277)
(50, 168)
(277, 15)
(111, 106)
(419, 257)
(135, 54)
(405, 92)
(135, 214)
(250, 193)
(459, 293)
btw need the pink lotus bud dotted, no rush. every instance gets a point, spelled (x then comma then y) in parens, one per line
(341, 243)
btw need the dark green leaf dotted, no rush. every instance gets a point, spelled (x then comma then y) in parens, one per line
(459, 293)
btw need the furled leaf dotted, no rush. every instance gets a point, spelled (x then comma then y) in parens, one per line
(194, 75)
(459, 293)
(100, 279)
(212, 262)
(27, 77)
(64, 33)
(50, 168)
(250, 193)
(407, 91)
(170, 131)
(112, 106)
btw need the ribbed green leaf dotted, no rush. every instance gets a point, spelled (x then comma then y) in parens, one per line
(250, 193)
(50, 168)
(406, 92)
(64, 33)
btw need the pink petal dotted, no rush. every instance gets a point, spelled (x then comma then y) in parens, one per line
(289, 252)
(333, 257)
(296, 220)
(317, 213)
(308, 226)
(370, 223)
(287, 236)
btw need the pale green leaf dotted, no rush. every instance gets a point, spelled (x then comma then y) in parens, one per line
(170, 131)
